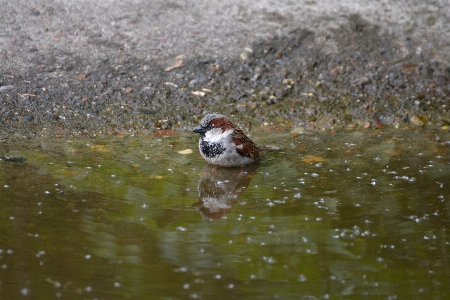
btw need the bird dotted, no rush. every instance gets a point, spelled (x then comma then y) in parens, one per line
(223, 144)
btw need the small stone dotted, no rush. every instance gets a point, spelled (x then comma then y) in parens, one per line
(196, 110)
(298, 130)
(417, 120)
(198, 93)
(29, 118)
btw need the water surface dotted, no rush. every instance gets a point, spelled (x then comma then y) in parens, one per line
(357, 213)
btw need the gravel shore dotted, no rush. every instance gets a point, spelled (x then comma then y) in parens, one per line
(88, 68)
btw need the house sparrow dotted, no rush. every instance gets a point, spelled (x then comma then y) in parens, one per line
(221, 143)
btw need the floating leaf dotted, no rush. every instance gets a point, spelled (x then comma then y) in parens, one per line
(313, 159)
(185, 151)
(165, 133)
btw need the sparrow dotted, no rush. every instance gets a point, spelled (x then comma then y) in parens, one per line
(222, 143)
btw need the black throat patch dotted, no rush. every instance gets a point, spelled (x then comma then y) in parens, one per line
(211, 149)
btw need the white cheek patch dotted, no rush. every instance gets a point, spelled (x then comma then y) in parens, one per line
(215, 135)
(240, 146)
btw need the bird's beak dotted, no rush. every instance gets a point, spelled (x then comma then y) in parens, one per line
(199, 129)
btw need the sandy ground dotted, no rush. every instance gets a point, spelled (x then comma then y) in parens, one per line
(52, 50)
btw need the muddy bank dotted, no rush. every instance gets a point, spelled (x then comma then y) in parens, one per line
(353, 75)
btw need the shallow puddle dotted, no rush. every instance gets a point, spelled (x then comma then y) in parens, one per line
(352, 214)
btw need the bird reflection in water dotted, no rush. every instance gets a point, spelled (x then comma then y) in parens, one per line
(219, 188)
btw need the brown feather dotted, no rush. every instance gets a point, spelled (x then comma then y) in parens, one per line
(223, 123)
(244, 145)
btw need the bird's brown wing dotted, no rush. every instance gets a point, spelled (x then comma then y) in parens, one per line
(244, 145)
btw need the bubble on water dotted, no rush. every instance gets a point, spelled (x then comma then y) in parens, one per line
(87, 256)
(47, 192)
(181, 228)
(217, 276)
(117, 284)
(271, 260)
(6, 186)
(230, 286)
(25, 291)
(186, 286)
(182, 269)
(298, 195)
(301, 278)
(88, 289)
